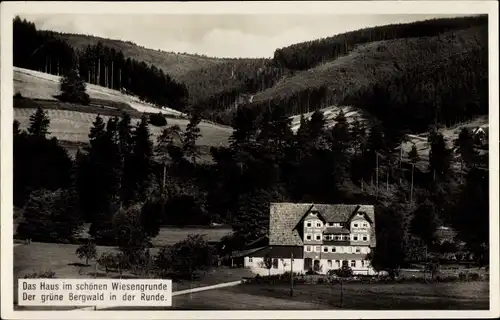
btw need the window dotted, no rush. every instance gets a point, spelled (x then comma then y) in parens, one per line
(330, 224)
(325, 249)
(340, 249)
(308, 237)
(308, 248)
(308, 224)
(329, 262)
(355, 225)
(333, 249)
(318, 237)
(355, 238)
(275, 263)
(365, 224)
(313, 213)
(318, 224)
(358, 250)
(348, 249)
(316, 249)
(365, 238)
(353, 263)
(337, 262)
(328, 237)
(362, 263)
(250, 260)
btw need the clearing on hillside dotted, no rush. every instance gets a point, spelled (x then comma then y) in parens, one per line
(39, 85)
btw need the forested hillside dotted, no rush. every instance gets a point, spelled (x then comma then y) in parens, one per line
(175, 64)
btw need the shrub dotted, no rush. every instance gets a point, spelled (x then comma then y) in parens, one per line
(18, 95)
(344, 272)
(321, 280)
(43, 275)
(462, 276)
(474, 276)
(157, 119)
(87, 251)
(50, 216)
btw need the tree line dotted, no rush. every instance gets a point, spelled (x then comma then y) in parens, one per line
(97, 64)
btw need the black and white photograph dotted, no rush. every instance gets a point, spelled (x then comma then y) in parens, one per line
(259, 161)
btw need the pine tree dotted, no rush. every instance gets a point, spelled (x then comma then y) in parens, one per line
(439, 155)
(413, 155)
(464, 145)
(138, 166)
(192, 134)
(39, 124)
(73, 87)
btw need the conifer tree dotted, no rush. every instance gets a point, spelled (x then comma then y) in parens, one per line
(73, 87)
(439, 155)
(137, 170)
(192, 134)
(39, 124)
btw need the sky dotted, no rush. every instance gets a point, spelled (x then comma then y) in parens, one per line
(215, 35)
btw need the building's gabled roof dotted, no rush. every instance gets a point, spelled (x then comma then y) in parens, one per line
(285, 216)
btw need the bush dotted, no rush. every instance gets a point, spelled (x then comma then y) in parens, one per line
(44, 275)
(50, 216)
(462, 276)
(157, 119)
(18, 95)
(344, 272)
(474, 276)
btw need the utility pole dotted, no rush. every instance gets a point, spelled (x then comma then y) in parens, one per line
(341, 292)
(112, 74)
(411, 188)
(291, 274)
(120, 80)
(376, 178)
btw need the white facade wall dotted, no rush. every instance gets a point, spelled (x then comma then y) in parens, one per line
(256, 265)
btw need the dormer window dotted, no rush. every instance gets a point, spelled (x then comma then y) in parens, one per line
(355, 225)
(318, 224)
(313, 213)
(365, 224)
(330, 224)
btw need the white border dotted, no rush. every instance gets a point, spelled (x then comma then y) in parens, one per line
(10, 9)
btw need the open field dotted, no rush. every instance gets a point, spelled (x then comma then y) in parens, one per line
(432, 296)
(34, 84)
(75, 126)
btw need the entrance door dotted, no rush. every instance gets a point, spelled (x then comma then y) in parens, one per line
(345, 263)
(316, 266)
(307, 264)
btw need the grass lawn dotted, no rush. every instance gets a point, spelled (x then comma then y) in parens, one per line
(401, 296)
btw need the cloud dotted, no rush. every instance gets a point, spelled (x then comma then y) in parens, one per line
(215, 35)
